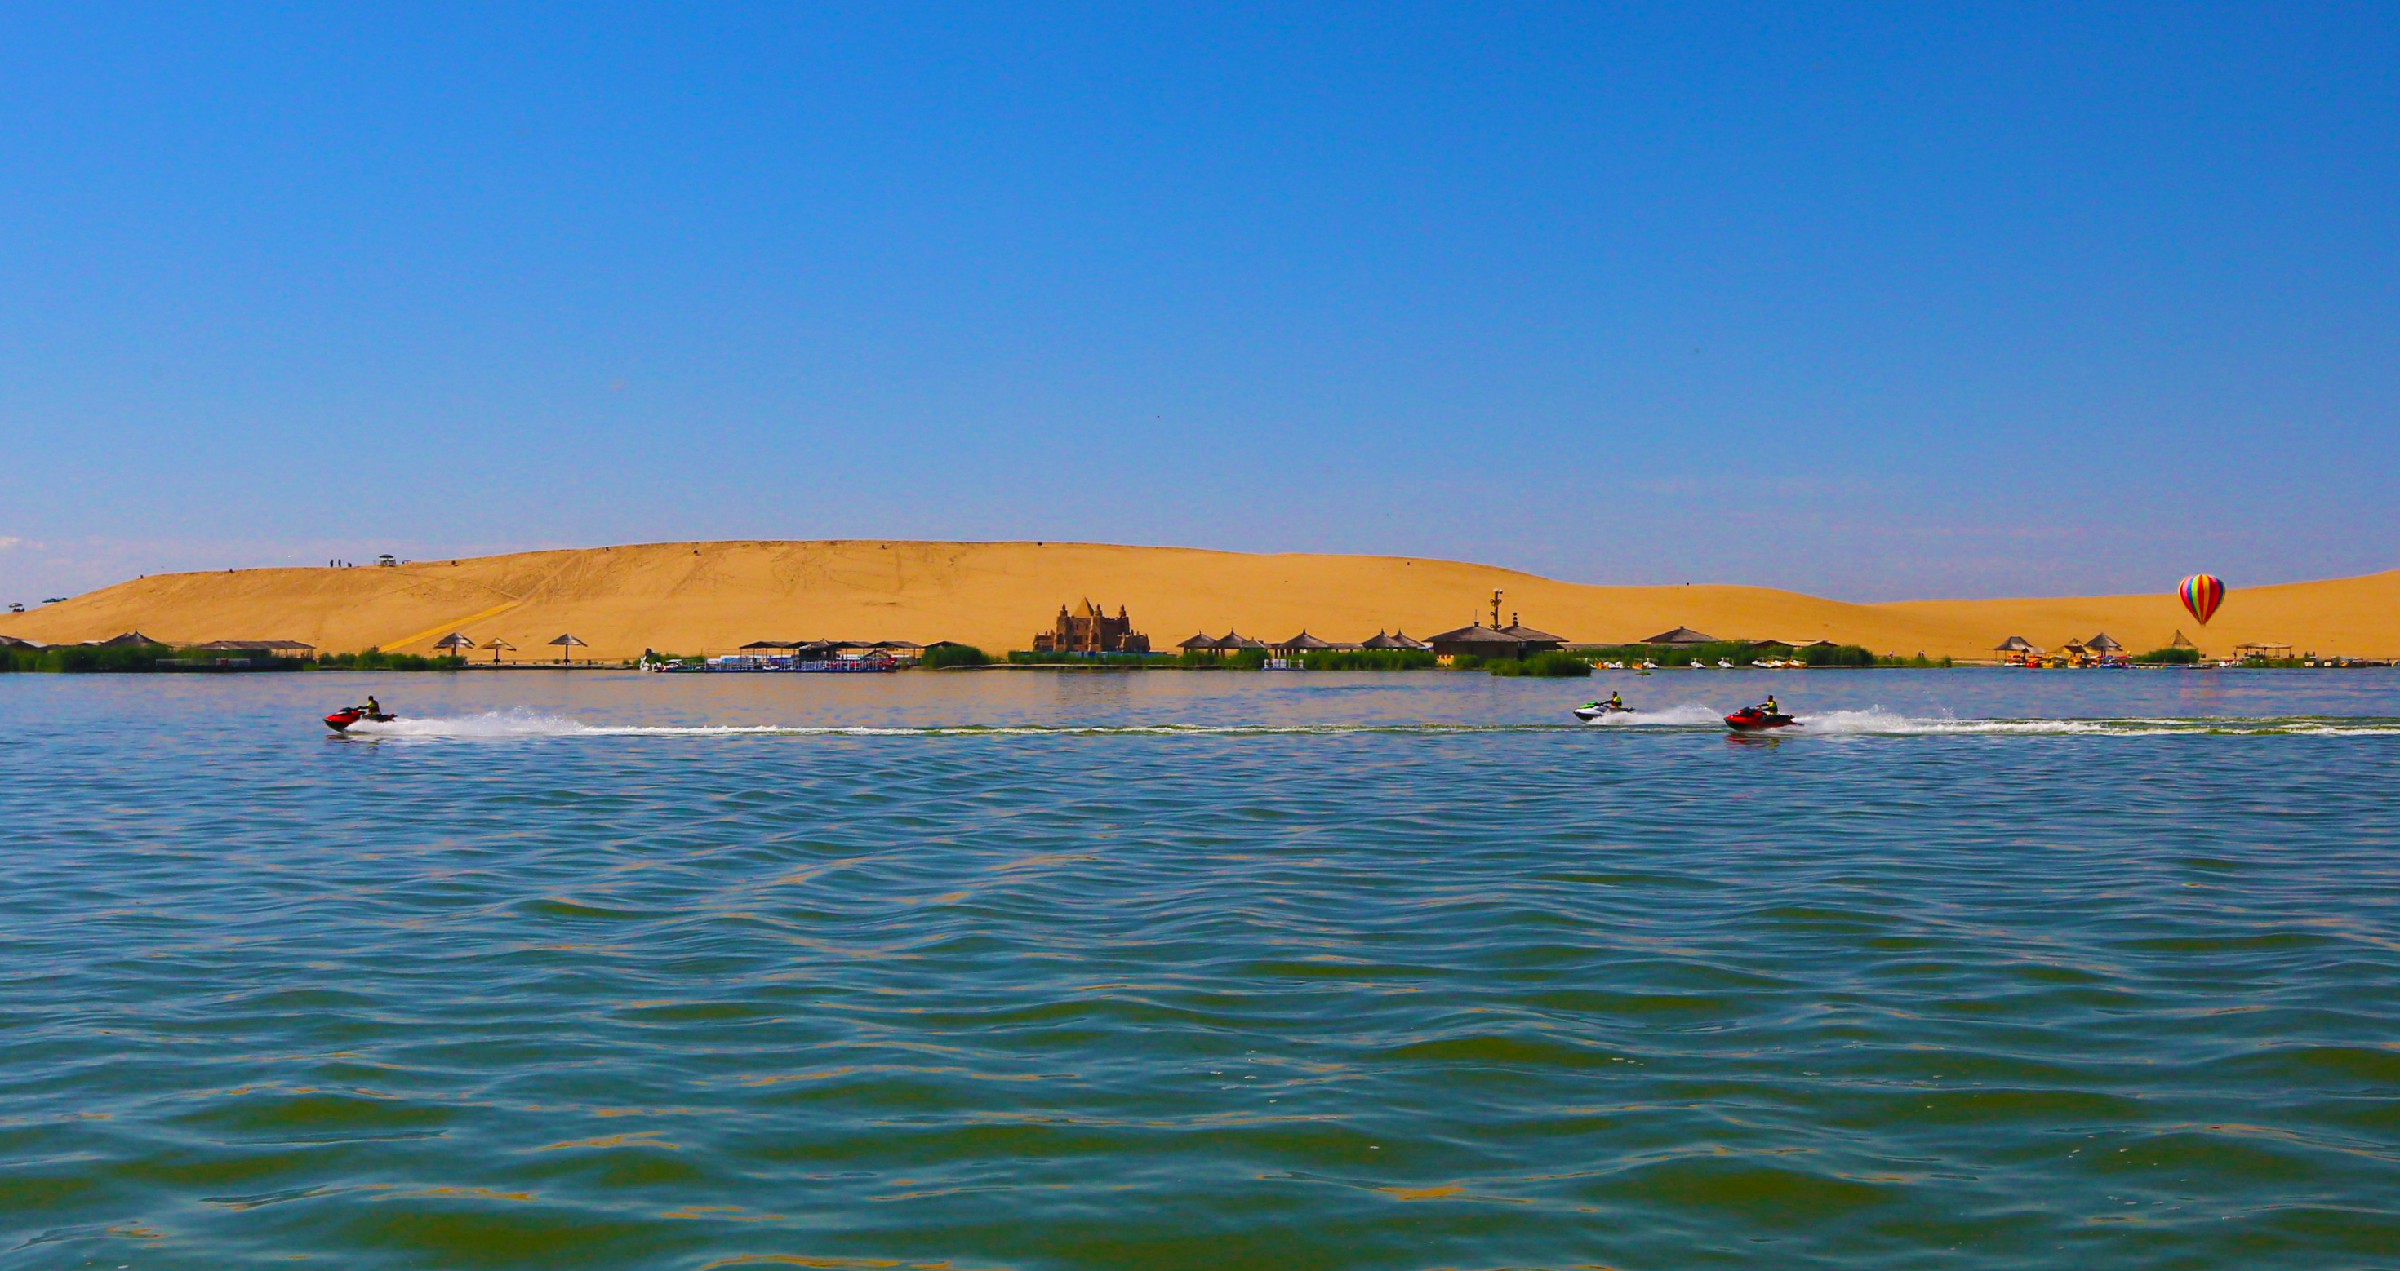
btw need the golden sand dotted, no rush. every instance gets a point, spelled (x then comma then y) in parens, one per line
(713, 597)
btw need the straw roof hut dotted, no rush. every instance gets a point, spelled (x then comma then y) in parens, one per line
(277, 648)
(127, 639)
(1682, 635)
(1302, 643)
(1396, 640)
(1236, 643)
(2101, 643)
(2015, 644)
(1477, 640)
(2181, 641)
(1536, 641)
(1201, 642)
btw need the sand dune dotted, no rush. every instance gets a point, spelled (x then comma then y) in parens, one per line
(712, 597)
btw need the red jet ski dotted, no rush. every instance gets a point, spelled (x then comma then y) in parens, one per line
(349, 718)
(1751, 719)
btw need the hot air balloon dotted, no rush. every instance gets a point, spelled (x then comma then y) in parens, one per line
(2202, 593)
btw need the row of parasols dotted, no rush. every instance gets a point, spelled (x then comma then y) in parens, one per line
(457, 644)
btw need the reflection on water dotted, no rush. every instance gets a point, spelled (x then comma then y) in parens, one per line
(1200, 970)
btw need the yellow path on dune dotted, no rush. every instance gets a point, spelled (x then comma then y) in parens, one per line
(440, 629)
(712, 597)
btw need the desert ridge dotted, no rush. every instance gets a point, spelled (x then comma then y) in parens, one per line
(712, 597)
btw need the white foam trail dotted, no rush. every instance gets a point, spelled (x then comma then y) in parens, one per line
(1876, 721)
(509, 723)
(522, 723)
(1685, 717)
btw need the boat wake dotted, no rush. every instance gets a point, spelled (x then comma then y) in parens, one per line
(1687, 718)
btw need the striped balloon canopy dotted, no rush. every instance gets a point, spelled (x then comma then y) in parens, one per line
(2202, 593)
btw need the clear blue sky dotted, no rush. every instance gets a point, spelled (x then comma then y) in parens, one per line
(1874, 302)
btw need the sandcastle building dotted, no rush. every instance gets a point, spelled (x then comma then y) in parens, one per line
(1085, 629)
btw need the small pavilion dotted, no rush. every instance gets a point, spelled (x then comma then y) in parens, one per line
(1476, 640)
(1302, 645)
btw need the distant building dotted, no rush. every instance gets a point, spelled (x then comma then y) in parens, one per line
(272, 648)
(1398, 640)
(1087, 630)
(1476, 640)
(1681, 635)
(1302, 645)
(1292, 654)
(1534, 641)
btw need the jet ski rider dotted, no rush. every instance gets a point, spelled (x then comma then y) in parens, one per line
(1616, 701)
(373, 709)
(1772, 707)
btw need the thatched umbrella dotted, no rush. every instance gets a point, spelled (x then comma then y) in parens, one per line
(1303, 643)
(566, 647)
(495, 646)
(454, 643)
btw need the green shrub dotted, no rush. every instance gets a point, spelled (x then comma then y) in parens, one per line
(378, 660)
(953, 655)
(86, 659)
(1738, 652)
(2171, 657)
(1555, 664)
(1133, 661)
(1369, 660)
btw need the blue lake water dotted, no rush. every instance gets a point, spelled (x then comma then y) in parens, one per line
(1035, 970)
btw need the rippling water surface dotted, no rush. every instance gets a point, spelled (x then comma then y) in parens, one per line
(1030, 970)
